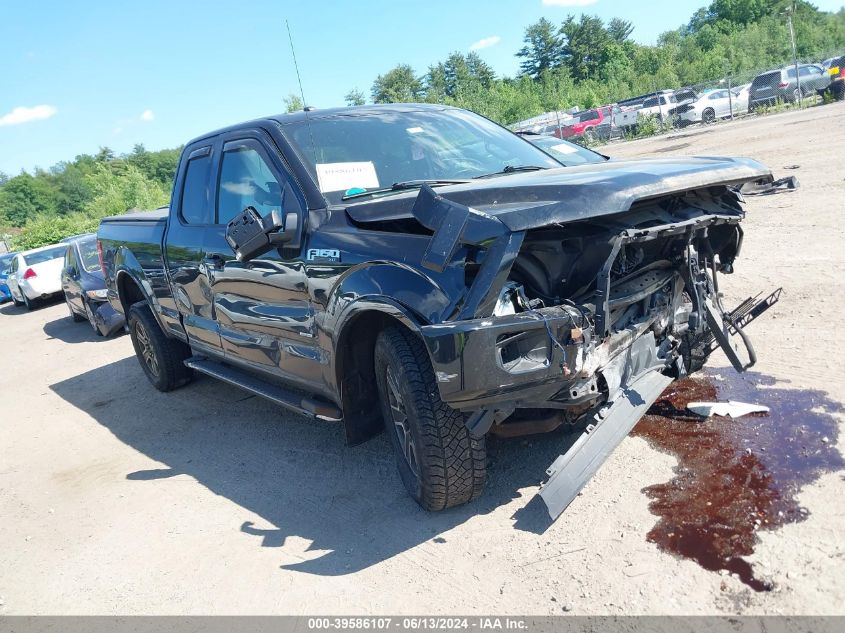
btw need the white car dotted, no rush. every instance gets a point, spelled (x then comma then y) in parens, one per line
(740, 95)
(36, 274)
(716, 104)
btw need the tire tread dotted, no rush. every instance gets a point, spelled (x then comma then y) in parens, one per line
(454, 465)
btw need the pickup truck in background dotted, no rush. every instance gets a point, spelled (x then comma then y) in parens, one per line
(590, 125)
(422, 270)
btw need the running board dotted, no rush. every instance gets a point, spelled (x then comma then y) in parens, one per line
(289, 399)
(572, 470)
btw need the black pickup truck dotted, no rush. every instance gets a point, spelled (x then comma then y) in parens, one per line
(420, 269)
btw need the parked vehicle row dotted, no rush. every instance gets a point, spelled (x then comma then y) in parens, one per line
(71, 269)
(687, 105)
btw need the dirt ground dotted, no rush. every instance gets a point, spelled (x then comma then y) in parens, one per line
(117, 499)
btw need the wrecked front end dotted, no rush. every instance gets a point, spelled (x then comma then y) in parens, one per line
(584, 318)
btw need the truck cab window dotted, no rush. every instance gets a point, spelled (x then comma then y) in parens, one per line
(195, 208)
(246, 180)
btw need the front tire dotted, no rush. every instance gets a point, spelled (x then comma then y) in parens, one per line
(161, 357)
(73, 315)
(89, 313)
(440, 464)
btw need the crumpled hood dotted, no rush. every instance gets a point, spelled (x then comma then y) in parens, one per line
(532, 199)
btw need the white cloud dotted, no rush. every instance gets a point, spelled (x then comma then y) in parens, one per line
(147, 115)
(23, 114)
(568, 3)
(485, 42)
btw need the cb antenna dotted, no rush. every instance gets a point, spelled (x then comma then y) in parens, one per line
(301, 92)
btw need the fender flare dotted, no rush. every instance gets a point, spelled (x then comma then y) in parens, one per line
(387, 292)
(128, 269)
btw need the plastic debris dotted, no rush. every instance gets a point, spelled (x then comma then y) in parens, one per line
(763, 188)
(726, 409)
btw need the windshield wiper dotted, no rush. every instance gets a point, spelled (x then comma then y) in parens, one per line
(407, 184)
(512, 169)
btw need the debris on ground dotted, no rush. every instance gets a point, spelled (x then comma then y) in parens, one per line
(730, 408)
(762, 188)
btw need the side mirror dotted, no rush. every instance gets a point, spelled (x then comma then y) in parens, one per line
(251, 235)
(71, 271)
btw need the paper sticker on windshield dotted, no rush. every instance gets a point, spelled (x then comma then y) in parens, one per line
(414, 130)
(563, 148)
(343, 176)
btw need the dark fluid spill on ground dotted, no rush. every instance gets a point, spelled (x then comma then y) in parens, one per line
(736, 476)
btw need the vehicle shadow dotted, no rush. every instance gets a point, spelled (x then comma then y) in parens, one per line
(65, 329)
(10, 308)
(296, 474)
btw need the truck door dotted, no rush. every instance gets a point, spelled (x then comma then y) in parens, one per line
(192, 216)
(262, 306)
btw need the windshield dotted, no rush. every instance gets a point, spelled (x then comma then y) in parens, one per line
(366, 151)
(569, 154)
(88, 254)
(44, 256)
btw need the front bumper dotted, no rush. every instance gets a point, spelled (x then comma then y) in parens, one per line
(526, 357)
(106, 318)
(692, 116)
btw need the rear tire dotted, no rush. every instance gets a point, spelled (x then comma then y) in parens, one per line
(440, 464)
(30, 305)
(708, 116)
(161, 357)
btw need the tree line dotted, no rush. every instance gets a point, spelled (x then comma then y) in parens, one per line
(72, 196)
(587, 62)
(582, 62)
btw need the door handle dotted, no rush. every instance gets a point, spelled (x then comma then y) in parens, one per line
(214, 261)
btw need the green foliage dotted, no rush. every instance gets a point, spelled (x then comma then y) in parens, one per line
(158, 166)
(458, 74)
(118, 188)
(24, 196)
(619, 30)
(293, 103)
(542, 50)
(355, 98)
(72, 196)
(43, 229)
(399, 85)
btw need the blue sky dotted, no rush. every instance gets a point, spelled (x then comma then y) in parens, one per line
(160, 72)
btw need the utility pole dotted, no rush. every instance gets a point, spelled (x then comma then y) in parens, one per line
(727, 80)
(789, 11)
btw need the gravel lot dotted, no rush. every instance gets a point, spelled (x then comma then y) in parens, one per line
(117, 499)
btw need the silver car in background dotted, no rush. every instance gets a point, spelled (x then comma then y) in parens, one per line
(715, 104)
